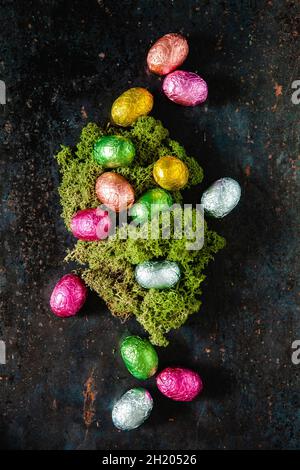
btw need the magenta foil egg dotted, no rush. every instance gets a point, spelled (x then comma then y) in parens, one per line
(68, 296)
(91, 224)
(185, 88)
(179, 384)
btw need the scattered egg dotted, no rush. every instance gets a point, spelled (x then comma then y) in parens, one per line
(139, 357)
(179, 384)
(68, 296)
(132, 409)
(131, 105)
(185, 88)
(221, 197)
(167, 53)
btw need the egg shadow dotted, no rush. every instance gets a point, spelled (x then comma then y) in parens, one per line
(202, 58)
(177, 353)
(166, 409)
(222, 89)
(93, 305)
(218, 382)
(202, 51)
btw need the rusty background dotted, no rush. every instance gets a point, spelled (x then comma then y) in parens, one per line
(64, 62)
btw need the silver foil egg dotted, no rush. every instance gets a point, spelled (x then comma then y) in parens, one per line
(221, 197)
(157, 274)
(132, 409)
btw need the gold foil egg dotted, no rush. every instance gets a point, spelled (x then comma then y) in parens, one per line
(167, 54)
(132, 104)
(170, 173)
(114, 191)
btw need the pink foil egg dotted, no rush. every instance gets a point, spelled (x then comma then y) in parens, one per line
(114, 191)
(68, 296)
(179, 384)
(167, 53)
(91, 224)
(186, 88)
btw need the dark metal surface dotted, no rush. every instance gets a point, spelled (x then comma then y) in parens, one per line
(64, 62)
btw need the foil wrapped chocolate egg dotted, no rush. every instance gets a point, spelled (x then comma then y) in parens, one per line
(114, 191)
(131, 105)
(68, 296)
(113, 151)
(132, 409)
(91, 224)
(157, 274)
(179, 384)
(139, 357)
(185, 88)
(221, 197)
(167, 53)
(170, 173)
(150, 204)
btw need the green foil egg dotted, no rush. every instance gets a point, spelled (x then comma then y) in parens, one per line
(112, 151)
(139, 357)
(157, 274)
(151, 203)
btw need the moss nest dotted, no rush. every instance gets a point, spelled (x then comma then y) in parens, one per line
(108, 266)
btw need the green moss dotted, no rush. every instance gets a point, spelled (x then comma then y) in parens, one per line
(109, 266)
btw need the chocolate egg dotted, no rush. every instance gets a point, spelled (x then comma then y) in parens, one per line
(221, 197)
(139, 357)
(150, 204)
(157, 274)
(112, 151)
(132, 104)
(133, 408)
(91, 224)
(170, 173)
(167, 53)
(179, 384)
(185, 88)
(68, 296)
(114, 191)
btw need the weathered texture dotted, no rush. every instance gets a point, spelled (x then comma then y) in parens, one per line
(63, 65)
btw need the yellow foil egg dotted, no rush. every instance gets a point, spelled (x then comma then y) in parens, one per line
(132, 104)
(170, 173)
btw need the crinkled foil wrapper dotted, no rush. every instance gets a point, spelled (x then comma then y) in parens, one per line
(114, 191)
(157, 274)
(221, 197)
(91, 224)
(179, 384)
(139, 357)
(131, 105)
(170, 173)
(185, 88)
(167, 53)
(113, 151)
(133, 408)
(68, 296)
